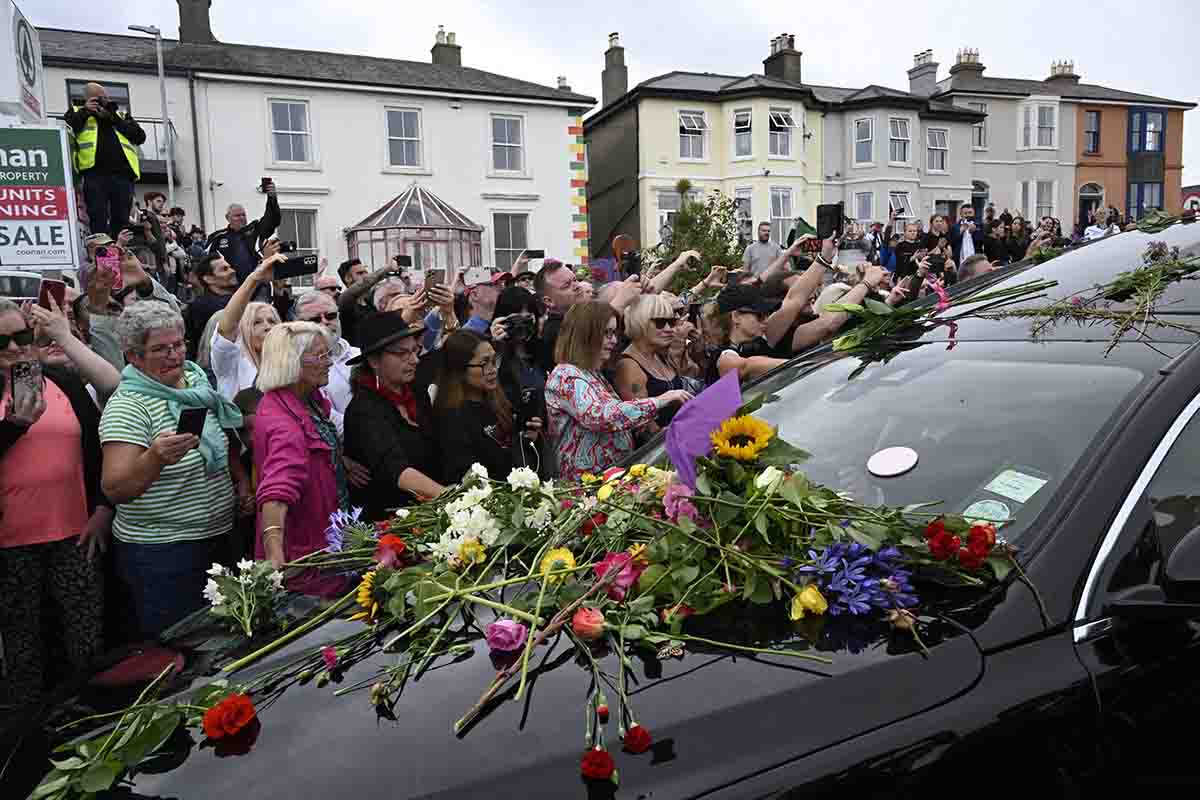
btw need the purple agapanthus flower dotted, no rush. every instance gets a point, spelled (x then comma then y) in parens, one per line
(339, 521)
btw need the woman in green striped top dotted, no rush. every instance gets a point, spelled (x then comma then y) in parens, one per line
(175, 492)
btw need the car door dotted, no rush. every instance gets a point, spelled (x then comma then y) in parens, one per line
(1146, 674)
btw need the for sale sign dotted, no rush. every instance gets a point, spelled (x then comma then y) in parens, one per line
(37, 200)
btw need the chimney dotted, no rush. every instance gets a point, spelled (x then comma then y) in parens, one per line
(784, 62)
(194, 25)
(563, 86)
(922, 78)
(967, 62)
(614, 79)
(445, 51)
(1063, 72)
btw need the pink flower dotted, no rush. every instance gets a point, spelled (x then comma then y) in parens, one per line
(506, 635)
(1077, 301)
(628, 571)
(677, 504)
(588, 624)
(330, 657)
(938, 288)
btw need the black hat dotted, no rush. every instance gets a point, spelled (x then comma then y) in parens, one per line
(745, 297)
(377, 331)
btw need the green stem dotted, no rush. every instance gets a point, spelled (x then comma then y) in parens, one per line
(529, 642)
(293, 634)
(747, 649)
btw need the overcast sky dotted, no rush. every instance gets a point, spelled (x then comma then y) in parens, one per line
(1150, 46)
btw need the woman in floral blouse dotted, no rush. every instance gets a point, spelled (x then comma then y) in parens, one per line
(590, 424)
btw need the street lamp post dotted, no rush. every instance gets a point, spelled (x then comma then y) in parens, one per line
(162, 88)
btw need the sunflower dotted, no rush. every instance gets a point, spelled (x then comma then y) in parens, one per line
(366, 598)
(742, 438)
(560, 558)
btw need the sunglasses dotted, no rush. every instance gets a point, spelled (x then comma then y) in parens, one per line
(328, 316)
(23, 338)
(761, 316)
(664, 322)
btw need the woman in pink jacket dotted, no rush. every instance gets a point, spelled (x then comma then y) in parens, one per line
(297, 453)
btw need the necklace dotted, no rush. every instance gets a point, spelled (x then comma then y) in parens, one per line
(651, 362)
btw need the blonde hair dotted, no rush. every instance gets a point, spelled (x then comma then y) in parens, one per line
(640, 312)
(246, 327)
(282, 350)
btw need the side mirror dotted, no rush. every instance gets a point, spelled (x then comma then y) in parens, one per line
(1181, 576)
(1177, 599)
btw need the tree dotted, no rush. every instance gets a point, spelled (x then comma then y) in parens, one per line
(708, 226)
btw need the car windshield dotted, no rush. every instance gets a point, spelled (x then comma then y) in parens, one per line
(995, 427)
(19, 286)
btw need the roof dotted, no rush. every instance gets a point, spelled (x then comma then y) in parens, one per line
(967, 82)
(135, 53)
(715, 86)
(417, 207)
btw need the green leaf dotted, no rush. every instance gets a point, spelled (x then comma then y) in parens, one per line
(100, 776)
(863, 538)
(752, 405)
(684, 575)
(850, 308)
(703, 486)
(751, 585)
(398, 604)
(763, 593)
(642, 604)
(659, 550)
(518, 517)
(152, 738)
(1001, 566)
(53, 783)
(652, 576)
(633, 632)
(725, 514)
(876, 307)
(68, 764)
(762, 524)
(912, 541)
(780, 453)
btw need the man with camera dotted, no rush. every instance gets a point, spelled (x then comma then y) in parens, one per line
(106, 158)
(238, 242)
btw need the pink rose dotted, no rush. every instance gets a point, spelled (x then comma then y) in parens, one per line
(628, 571)
(588, 624)
(677, 503)
(506, 635)
(329, 655)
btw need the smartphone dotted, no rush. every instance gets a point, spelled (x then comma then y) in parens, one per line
(109, 258)
(402, 261)
(52, 288)
(297, 265)
(829, 220)
(27, 379)
(264, 184)
(694, 314)
(532, 254)
(435, 277)
(191, 420)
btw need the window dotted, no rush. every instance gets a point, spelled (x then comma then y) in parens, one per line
(692, 128)
(1027, 127)
(938, 141)
(864, 203)
(864, 140)
(291, 138)
(902, 205)
(1144, 197)
(510, 237)
(404, 137)
(117, 92)
(742, 198)
(1146, 131)
(781, 214)
(508, 144)
(300, 226)
(898, 152)
(1025, 206)
(1045, 132)
(781, 127)
(1091, 132)
(743, 143)
(979, 129)
(1045, 199)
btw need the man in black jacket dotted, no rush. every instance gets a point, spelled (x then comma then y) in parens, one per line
(966, 228)
(106, 158)
(239, 241)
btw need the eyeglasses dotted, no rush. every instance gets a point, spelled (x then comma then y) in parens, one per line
(323, 358)
(23, 338)
(164, 350)
(491, 365)
(664, 322)
(328, 316)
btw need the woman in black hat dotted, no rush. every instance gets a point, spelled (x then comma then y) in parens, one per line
(388, 426)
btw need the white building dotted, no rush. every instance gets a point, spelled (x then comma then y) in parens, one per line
(341, 135)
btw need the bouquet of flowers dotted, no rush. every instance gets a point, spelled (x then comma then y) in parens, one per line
(247, 599)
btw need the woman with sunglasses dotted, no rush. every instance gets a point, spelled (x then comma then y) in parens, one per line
(591, 427)
(644, 369)
(473, 417)
(297, 452)
(54, 520)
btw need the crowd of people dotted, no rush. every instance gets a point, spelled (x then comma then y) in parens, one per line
(374, 390)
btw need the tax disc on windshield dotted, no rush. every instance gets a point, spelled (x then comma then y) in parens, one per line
(892, 462)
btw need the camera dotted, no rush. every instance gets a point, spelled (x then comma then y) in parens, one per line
(520, 327)
(287, 247)
(111, 106)
(937, 263)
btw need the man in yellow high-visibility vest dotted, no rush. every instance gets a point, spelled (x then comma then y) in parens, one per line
(106, 158)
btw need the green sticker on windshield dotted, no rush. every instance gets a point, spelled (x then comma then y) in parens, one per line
(1015, 485)
(987, 511)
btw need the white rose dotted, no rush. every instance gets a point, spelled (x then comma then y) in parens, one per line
(479, 471)
(769, 479)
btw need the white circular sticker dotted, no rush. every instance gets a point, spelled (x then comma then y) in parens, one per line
(987, 511)
(892, 462)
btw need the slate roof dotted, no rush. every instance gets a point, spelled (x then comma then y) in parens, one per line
(967, 82)
(137, 52)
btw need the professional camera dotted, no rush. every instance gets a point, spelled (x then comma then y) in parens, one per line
(287, 247)
(520, 327)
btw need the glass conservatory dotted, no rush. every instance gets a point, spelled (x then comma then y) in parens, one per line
(419, 224)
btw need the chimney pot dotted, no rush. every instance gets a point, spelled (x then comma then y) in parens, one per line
(563, 86)
(450, 37)
(445, 51)
(194, 23)
(614, 39)
(441, 35)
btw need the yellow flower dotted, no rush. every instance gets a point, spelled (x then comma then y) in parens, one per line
(557, 559)
(742, 438)
(658, 480)
(472, 552)
(638, 554)
(589, 478)
(637, 470)
(366, 598)
(809, 601)
(605, 492)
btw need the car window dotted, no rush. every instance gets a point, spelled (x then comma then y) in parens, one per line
(995, 436)
(1174, 492)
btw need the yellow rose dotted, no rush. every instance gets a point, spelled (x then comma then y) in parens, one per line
(605, 492)
(637, 470)
(809, 601)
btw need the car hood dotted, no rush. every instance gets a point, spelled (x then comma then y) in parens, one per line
(715, 718)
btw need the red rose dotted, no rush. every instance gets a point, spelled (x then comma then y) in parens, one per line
(638, 739)
(390, 550)
(590, 525)
(228, 716)
(943, 546)
(935, 528)
(970, 558)
(984, 534)
(597, 765)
